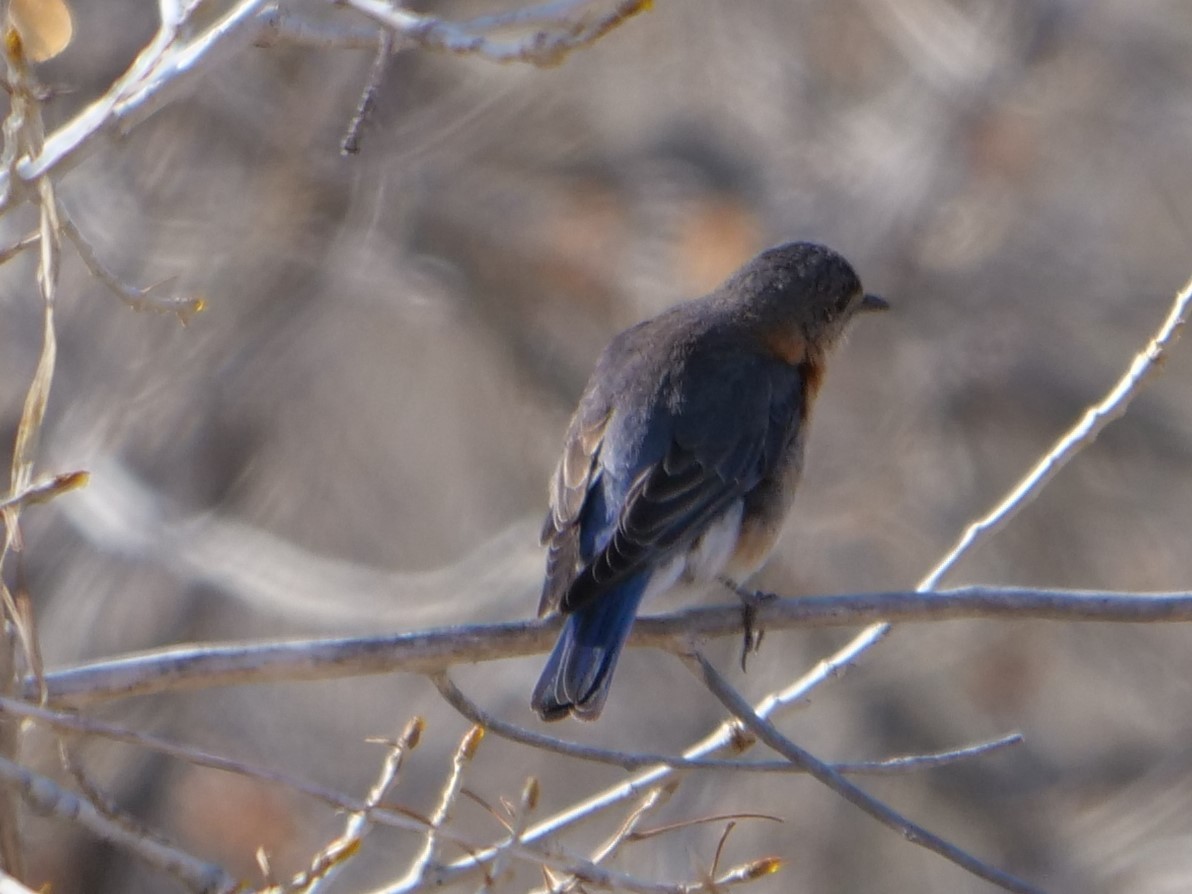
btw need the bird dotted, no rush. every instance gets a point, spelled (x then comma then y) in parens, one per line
(683, 454)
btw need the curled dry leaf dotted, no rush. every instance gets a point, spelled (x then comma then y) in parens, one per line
(45, 27)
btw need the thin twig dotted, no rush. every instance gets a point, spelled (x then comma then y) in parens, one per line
(329, 861)
(638, 760)
(544, 47)
(46, 796)
(11, 850)
(404, 820)
(526, 805)
(927, 760)
(728, 830)
(285, 26)
(43, 491)
(729, 735)
(747, 872)
(134, 297)
(159, 74)
(447, 798)
(169, 64)
(549, 14)
(1068, 446)
(350, 145)
(24, 135)
(105, 806)
(553, 857)
(27, 241)
(87, 786)
(29, 428)
(90, 726)
(1080, 436)
(653, 799)
(712, 883)
(79, 724)
(647, 804)
(740, 708)
(592, 876)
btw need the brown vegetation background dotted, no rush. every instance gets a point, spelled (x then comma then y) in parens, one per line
(393, 342)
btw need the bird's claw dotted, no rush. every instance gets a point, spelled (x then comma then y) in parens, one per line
(751, 601)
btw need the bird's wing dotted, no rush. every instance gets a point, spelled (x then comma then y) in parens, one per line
(573, 479)
(725, 429)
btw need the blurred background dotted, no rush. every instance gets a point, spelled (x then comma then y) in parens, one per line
(355, 436)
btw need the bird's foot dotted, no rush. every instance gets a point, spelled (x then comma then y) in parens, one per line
(751, 601)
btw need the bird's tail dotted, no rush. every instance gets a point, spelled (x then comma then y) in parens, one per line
(580, 669)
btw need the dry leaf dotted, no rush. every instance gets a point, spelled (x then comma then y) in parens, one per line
(44, 25)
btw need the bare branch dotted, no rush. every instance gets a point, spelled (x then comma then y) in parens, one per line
(11, 852)
(636, 760)
(283, 26)
(328, 862)
(1110, 407)
(368, 809)
(158, 75)
(647, 804)
(375, 813)
(928, 760)
(23, 133)
(730, 735)
(169, 65)
(435, 650)
(182, 50)
(748, 872)
(1081, 435)
(350, 145)
(540, 15)
(44, 491)
(133, 296)
(451, 789)
(90, 726)
(46, 796)
(27, 241)
(883, 813)
(653, 799)
(526, 805)
(547, 46)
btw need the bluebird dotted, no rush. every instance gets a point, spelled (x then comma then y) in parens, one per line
(682, 457)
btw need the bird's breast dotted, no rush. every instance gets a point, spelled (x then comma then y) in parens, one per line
(707, 557)
(787, 344)
(764, 509)
(755, 541)
(734, 545)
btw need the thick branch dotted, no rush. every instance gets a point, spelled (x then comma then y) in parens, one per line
(430, 651)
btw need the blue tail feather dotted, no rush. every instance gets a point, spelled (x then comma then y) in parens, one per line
(580, 669)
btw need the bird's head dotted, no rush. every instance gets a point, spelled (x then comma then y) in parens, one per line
(802, 290)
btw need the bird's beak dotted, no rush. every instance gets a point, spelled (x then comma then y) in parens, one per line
(873, 302)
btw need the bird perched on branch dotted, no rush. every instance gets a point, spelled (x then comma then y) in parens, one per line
(683, 455)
